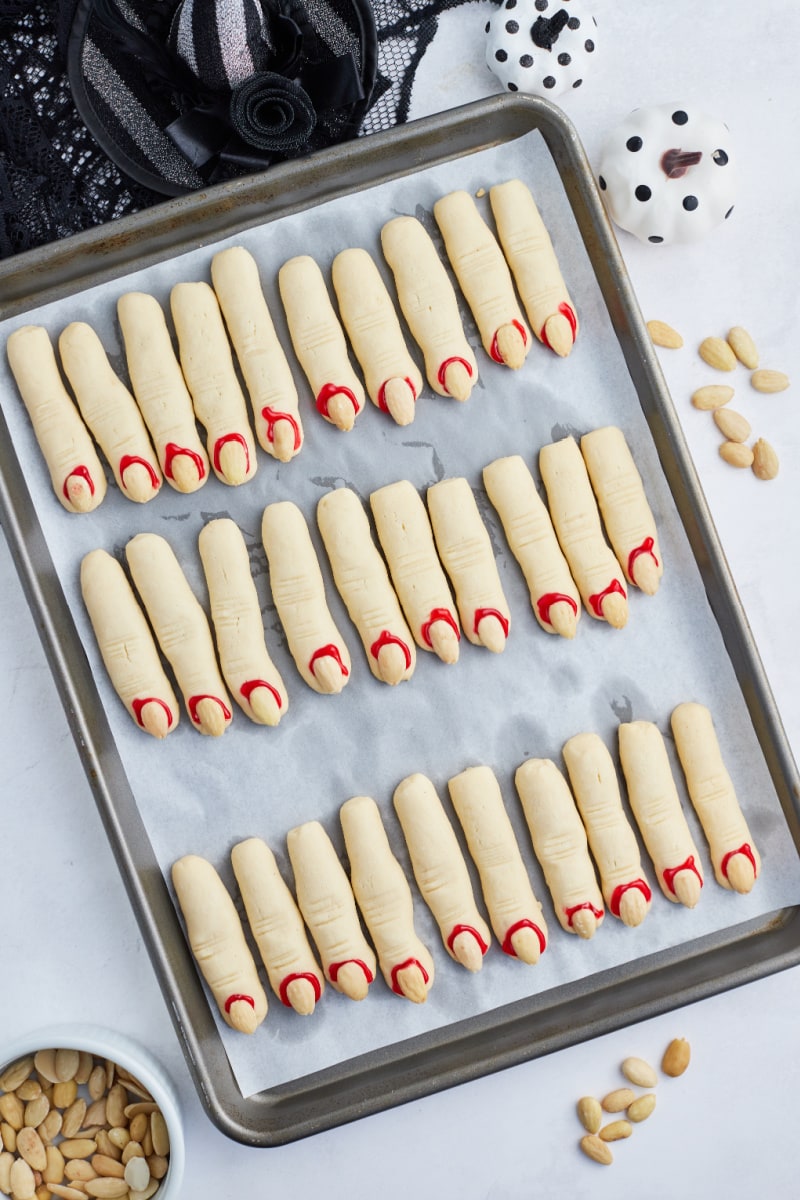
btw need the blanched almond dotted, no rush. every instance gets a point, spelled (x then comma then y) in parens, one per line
(743, 347)
(30, 1146)
(104, 1188)
(712, 396)
(16, 1073)
(639, 1072)
(158, 1130)
(732, 425)
(66, 1065)
(676, 1057)
(597, 1150)
(12, 1110)
(662, 334)
(641, 1108)
(590, 1113)
(736, 454)
(104, 1165)
(717, 353)
(54, 1170)
(22, 1180)
(6, 1162)
(618, 1100)
(765, 460)
(77, 1147)
(615, 1131)
(36, 1110)
(45, 1063)
(769, 381)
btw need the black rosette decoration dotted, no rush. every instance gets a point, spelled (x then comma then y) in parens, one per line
(272, 113)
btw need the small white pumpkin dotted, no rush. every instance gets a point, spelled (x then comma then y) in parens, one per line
(540, 47)
(667, 174)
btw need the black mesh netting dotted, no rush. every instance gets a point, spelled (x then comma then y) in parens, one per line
(54, 178)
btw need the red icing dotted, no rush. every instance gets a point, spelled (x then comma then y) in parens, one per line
(238, 996)
(525, 923)
(138, 705)
(457, 929)
(596, 600)
(546, 602)
(382, 393)
(250, 686)
(441, 374)
(438, 614)
(324, 652)
(480, 613)
(569, 913)
(669, 873)
(569, 313)
(129, 460)
(328, 390)
(172, 451)
(82, 473)
(495, 353)
(284, 985)
(744, 849)
(335, 967)
(409, 962)
(619, 892)
(193, 702)
(645, 548)
(223, 441)
(385, 638)
(272, 416)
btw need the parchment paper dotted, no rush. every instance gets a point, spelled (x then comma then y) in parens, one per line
(199, 795)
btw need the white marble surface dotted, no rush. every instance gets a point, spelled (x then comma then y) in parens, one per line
(71, 947)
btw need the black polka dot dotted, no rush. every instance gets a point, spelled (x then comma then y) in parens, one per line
(728, 213)
(577, 83)
(500, 55)
(512, 87)
(633, 144)
(541, 5)
(679, 117)
(564, 60)
(526, 60)
(573, 23)
(655, 238)
(511, 4)
(602, 182)
(720, 157)
(512, 27)
(548, 81)
(690, 203)
(588, 45)
(643, 192)
(488, 26)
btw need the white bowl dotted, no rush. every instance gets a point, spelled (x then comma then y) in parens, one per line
(108, 1043)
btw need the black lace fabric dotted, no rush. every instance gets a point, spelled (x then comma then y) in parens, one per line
(54, 178)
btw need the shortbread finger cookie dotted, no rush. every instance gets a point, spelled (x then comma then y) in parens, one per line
(656, 806)
(110, 412)
(561, 846)
(611, 838)
(483, 275)
(277, 927)
(181, 629)
(384, 898)
(515, 913)
(736, 861)
(264, 365)
(319, 342)
(430, 307)
(555, 599)
(248, 670)
(392, 378)
(66, 445)
(217, 398)
(440, 871)
(218, 943)
(363, 583)
(627, 516)
(576, 520)
(298, 589)
(530, 255)
(405, 534)
(465, 551)
(326, 900)
(126, 645)
(161, 392)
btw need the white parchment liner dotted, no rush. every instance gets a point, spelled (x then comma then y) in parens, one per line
(201, 795)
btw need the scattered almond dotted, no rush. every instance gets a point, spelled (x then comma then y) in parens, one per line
(717, 353)
(765, 460)
(736, 454)
(30, 1147)
(596, 1149)
(641, 1108)
(615, 1131)
(676, 1057)
(743, 347)
(664, 335)
(769, 381)
(732, 425)
(639, 1072)
(590, 1113)
(22, 1180)
(712, 396)
(618, 1100)
(16, 1074)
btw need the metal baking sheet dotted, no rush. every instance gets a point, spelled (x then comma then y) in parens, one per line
(451, 1043)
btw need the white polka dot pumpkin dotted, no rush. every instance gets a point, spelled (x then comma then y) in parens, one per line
(540, 47)
(667, 174)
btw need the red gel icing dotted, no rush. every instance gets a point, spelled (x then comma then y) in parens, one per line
(439, 614)
(223, 441)
(669, 873)
(138, 706)
(385, 638)
(744, 849)
(525, 923)
(324, 652)
(569, 313)
(480, 613)
(382, 393)
(283, 990)
(409, 962)
(329, 390)
(173, 451)
(193, 702)
(546, 602)
(619, 892)
(495, 353)
(80, 472)
(441, 374)
(569, 913)
(335, 968)
(457, 929)
(250, 686)
(130, 460)
(238, 996)
(645, 548)
(596, 600)
(272, 416)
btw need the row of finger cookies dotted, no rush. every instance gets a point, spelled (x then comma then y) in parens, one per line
(148, 431)
(345, 920)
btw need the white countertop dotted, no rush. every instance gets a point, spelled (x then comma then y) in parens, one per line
(71, 947)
